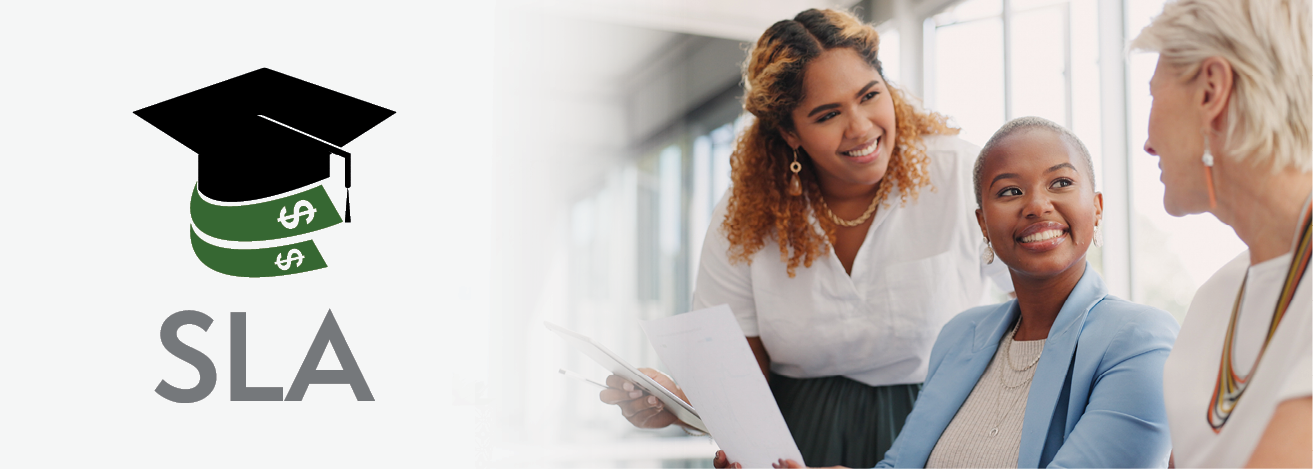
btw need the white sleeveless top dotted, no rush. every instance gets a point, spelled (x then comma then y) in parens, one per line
(1190, 375)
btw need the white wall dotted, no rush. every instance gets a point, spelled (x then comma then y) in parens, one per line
(577, 99)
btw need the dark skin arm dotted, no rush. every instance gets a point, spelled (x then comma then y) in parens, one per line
(759, 351)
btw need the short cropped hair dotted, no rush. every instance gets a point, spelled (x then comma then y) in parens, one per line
(1028, 123)
(1267, 44)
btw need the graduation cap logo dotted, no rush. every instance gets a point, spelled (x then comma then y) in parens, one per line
(265, 142)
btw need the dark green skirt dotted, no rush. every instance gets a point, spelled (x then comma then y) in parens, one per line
(838, 421)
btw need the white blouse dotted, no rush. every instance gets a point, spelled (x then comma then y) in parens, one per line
(918, 267)
(1190, 375)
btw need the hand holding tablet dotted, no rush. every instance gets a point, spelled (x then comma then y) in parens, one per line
(642, 409)
(637, 381)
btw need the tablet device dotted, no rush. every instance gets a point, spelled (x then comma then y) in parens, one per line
(618, 366)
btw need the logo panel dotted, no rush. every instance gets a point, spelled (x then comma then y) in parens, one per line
(264, 142)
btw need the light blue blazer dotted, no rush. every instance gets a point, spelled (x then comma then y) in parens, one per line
(1097, 396)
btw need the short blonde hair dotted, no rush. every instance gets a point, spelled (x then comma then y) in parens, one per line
(1267, 44)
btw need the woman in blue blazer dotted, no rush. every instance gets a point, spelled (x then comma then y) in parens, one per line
(1063, 376)
(1095, 398)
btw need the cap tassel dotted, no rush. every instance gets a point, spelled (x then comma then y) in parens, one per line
(348, 185)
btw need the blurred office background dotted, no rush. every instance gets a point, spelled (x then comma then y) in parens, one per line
(615, 121)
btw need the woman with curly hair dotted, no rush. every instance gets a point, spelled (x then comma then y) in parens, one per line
(867, 201)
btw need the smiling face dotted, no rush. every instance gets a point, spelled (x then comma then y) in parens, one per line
(1038, 205)
(1176, 137)
(845, 121)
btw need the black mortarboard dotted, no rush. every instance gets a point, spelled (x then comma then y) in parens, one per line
(263, 133)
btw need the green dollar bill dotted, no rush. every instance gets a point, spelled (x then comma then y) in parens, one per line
(296, 214)
(264, 262)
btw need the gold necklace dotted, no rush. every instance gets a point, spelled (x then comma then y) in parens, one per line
(875, 202)
(1006, 364)
(1007, 354)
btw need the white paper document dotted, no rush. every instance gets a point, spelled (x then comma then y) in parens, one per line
(709, 357)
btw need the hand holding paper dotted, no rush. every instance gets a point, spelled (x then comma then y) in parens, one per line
(707, 352)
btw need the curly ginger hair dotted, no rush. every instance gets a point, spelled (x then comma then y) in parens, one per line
(759, 207)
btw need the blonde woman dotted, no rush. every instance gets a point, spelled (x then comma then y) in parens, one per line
(1230, 124)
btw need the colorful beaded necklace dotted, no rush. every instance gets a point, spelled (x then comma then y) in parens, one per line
(1230, 387)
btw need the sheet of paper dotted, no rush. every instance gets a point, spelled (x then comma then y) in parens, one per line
(707, 354)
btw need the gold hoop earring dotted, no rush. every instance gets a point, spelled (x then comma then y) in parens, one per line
(987, 256)
(795, 186)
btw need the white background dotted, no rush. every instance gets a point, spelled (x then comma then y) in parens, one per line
(96, 251)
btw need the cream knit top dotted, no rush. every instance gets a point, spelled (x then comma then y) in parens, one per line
(986, 431)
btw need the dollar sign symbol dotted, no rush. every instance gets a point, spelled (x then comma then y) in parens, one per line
(292, 255)
(302, 208)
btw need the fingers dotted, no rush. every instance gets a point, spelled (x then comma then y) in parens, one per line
(617, 396)
(659, 377)
(646, 412)
(640, 408)
(655, 417)
(634, 407)
(617, 382)
(786, 463)
(660, 419)
(644, 419)
(721, 461)
(620, 390)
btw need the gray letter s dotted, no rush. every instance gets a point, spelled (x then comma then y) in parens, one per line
(205, 367)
